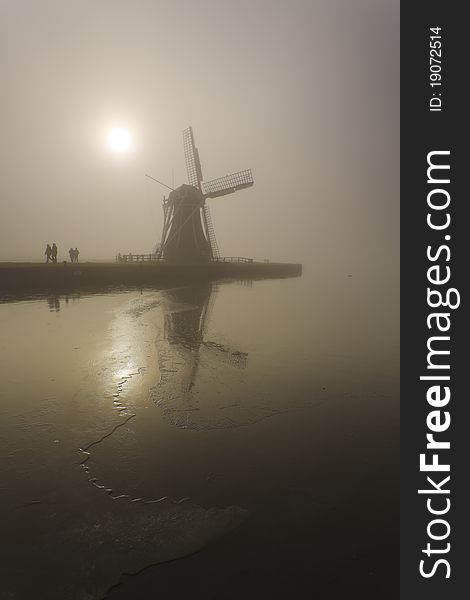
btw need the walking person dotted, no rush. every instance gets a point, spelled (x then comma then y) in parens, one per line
(76, 253)
(54, 253)
(48, 253)
(72, 254)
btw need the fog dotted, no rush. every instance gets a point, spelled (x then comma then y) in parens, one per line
(306, 93)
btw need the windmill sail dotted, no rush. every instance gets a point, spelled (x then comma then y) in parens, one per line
(210, 231)
(191, 154)
(228, 184)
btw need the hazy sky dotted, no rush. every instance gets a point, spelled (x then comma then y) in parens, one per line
(304, 92)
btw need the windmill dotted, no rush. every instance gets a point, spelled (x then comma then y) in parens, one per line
(188, 233)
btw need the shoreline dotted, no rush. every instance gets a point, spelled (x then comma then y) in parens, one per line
(82, 276)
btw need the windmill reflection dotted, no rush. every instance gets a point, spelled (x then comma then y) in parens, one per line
(186, 316)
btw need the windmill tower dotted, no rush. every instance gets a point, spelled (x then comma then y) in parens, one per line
(188, 233)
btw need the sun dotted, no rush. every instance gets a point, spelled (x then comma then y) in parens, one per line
(119, 140)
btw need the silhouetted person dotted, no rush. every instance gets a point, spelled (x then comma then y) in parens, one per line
(72, 254)
(75, 254)
(54, 303)
(54, 253)
(48, 253)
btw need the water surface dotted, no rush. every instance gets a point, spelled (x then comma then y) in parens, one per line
(247, 429)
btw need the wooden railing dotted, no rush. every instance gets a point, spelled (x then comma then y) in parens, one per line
(138, 258)
(235, 259)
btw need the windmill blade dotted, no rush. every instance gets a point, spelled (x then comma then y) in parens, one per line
(228, 184)
(233, 357)
(206, 216)
(191, 154)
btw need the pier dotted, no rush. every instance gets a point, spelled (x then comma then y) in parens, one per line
(37, 277)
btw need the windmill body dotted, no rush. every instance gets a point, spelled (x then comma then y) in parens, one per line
(184, 238)
(188, 233)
